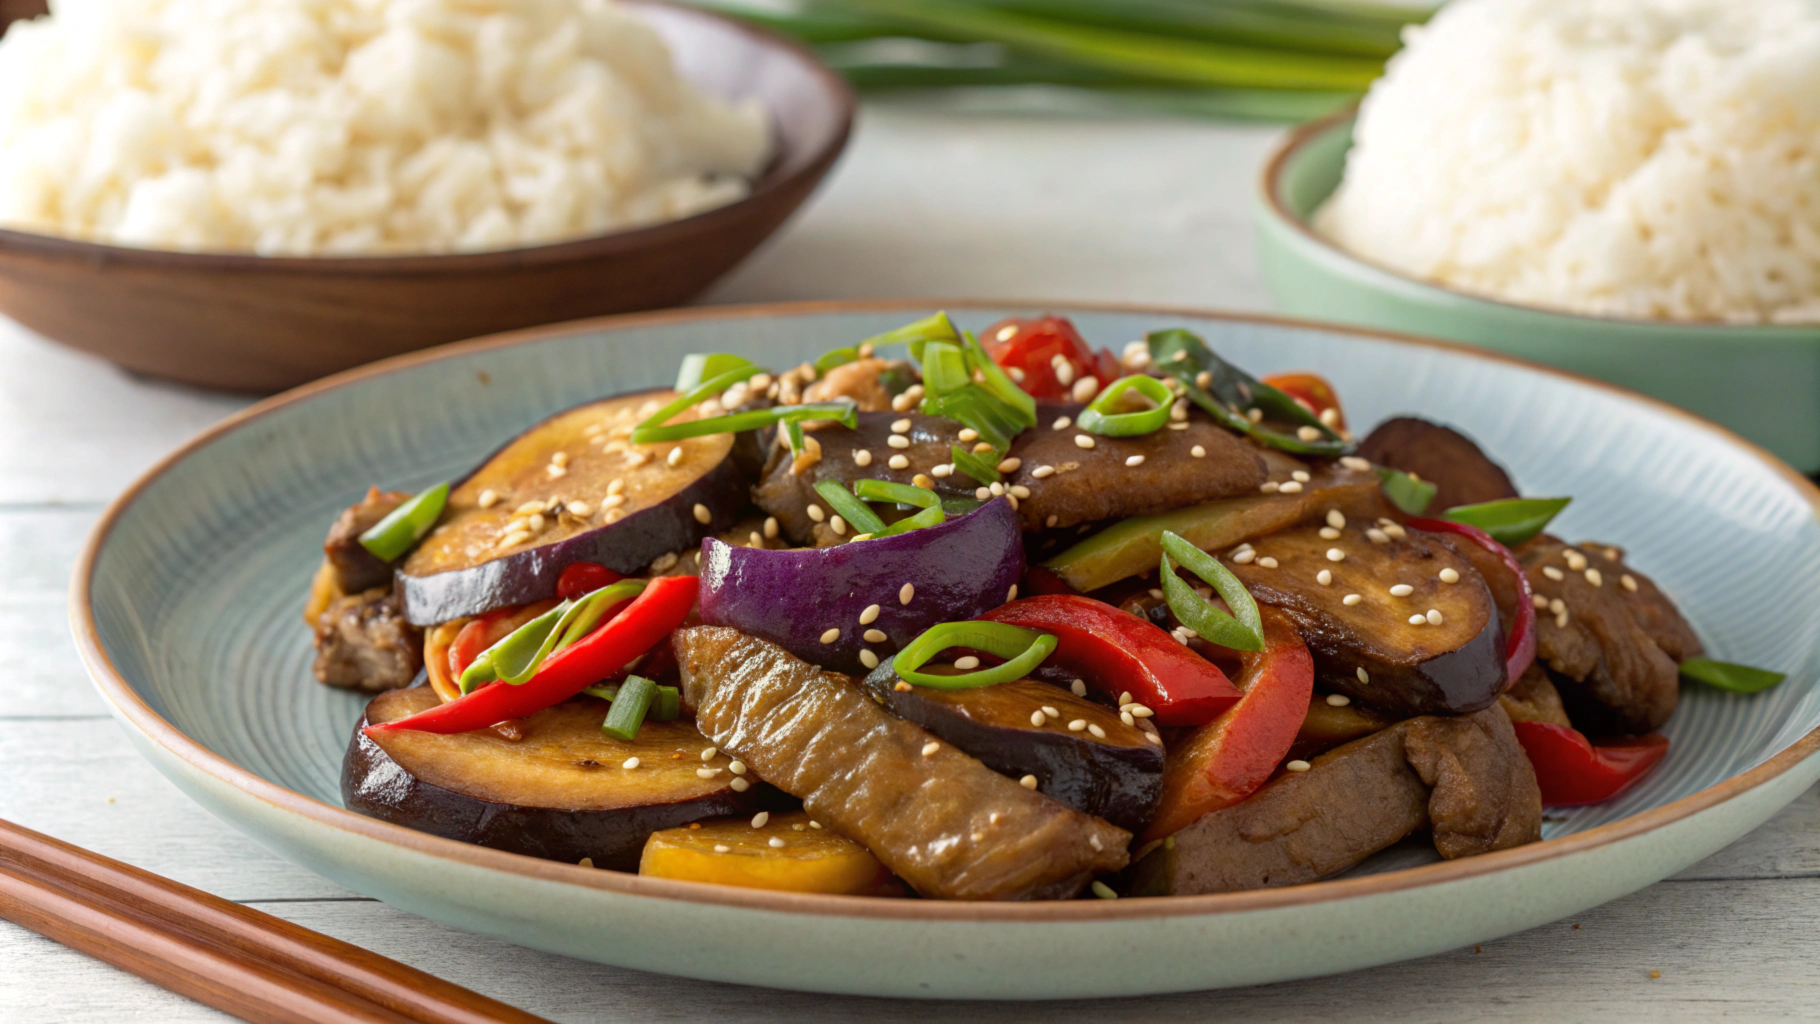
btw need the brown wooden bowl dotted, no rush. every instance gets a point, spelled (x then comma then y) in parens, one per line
(255, 323)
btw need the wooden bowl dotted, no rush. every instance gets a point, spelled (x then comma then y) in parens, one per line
(255, 323)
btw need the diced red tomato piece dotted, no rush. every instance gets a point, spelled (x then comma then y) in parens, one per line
(1312, 392)
(1028, 349)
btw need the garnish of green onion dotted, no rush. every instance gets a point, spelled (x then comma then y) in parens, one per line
(1243, 630)
(944, 368)
(1098, 417)
(972, 406)
(629, 708)
(1228, 393)
(667, 705)
(605, 691)
(936, 327)
(404, 526)
(649, 430)
(848, 507)
(836, 357)
(1727, 676)
(927, 517)
(1023, 649)
(996, 381)
(1406, 492)
(843, 411)
(903, 494)
(1511, 521)
(519, 654)
(703, 366)
(974, 466)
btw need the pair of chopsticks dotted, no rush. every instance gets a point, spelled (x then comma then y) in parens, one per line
(253, 965)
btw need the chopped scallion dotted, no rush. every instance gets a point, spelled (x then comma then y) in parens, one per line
(405, 525)
(1243, 630)
(1406, 492)
(848, 507)
(1098, 417)
(791, 416)
(1023, 649)
(903, 494)
(927, 517)
(1511, 521)
(701, 366)
(650, 429)
(605, 691)
(667, 705)
(629, 708)
(974, 466)
(836, 357)
(972, 406)
(1727, 676)
(936, 327)
(997, 382)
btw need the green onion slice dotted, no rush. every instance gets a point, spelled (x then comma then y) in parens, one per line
(667, 705)
(1241, 631)
(608, 692)
(974, 466)
(1023, 648)
(957, 506)
(903, 494)
(972, 406)
(944, 368)
(927, 517)
(519, 654)
(1727, 676)
(836, 357)
(790, 416)
(997, 382)
(930, 328)
(405, 525)
(651, 429)
(701, 366)
(848, 507)
(1098, 418)
(1228, 393)
(629, 708)
(1406, 492)
(1511, 521)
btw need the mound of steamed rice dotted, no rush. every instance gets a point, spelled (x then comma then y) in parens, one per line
(1628, 158)
(319, 127)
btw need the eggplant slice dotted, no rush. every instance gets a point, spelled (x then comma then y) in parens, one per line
(1115, 774)
(1373, 650)
(571, 489)
(1461, 472)
(947, 824)
(562, 792)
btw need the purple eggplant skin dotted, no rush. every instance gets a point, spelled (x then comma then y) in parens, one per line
(958, 570)
(1118, 781)
(626, 546)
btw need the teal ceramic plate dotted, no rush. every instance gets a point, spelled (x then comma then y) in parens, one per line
(186, 608)
(1762, 381)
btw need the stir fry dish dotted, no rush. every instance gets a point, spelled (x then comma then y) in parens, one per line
(1003, 619)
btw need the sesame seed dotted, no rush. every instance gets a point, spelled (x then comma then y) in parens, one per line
(1018, 491)
(1094, 841)
(1336, 555)
(771, 526)
(1051, 712)
(1098, 733)
(1052, 520)
(1336, 519)
(721, 848)
(630, 762)
(1629, 582)
(1329, 533)
(869, 616)
(1079, 687)
(1338, 700)
(1064, 370)
(708, 754)
(675, 456)
(1245, 556)
(1575, 560)
(739, 785)
(905, 593)
(707, 773)
(943, 471)
(1140, 711)
(1198, 452)
(776, 843)
(1402, 590)
(1308, 433)
(1153, 739)
(1037, 719)
(1124, 697)
(867, 658)
(874, 636)
(702, 515)
(1298, 765)
(815, 825)
(1028, 782)
(977, 836)
(1292, 487)
(1077, 725)
(1010, 465)
(930, 748)
(1269, 486)
(1324, 577)
(1450, 575)
(556, 472)
(1300, 476)
(1364, 676)
(862, 457)
(1593, 577)
(816, 513)
(831, 635)
(488, 498)
(1539, 601)
(1561, 620)
(1267, 562)
(616, 485)
(838, 525)
(898, 441)
(1418, 620)
(1557, 606)
(586, 862)
(898, 462)
(1553, 573)
(737, 767)
(579, 508)
(1134, 460)
(901, 687)
(1011, 595)
(1395, 530)
(1434, 617)
(901, 403)
(1353, 462)
(901, 426)
(536, 523)
(967, 663)
(637, 459)
(1061, 423)
(919, 480)
(528, 508)
(1351, 599)
(1083, 441)
(1042, 472)
(759, 819)
(995, 488)
(968, 434)
(1125, 716)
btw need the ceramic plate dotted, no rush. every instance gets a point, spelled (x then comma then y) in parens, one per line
(186, 607)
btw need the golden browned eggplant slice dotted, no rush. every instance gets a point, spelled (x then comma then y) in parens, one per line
(947, 824)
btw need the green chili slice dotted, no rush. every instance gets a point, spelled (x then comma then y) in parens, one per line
(835, 357)
(629, 708)
(651, 429)
(1243, 630)
(844, 411)
(405, 525)
(848, 507)
(1023, 648)
(1511, 521)
(927, 517)
(519, 654)
(1404, 491)
(1228, 394)
(974, 466)
(701, 366)
(1730, 677)
(903, 494)
(936, 327)
(1098, 418)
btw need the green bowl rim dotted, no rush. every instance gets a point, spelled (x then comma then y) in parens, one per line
(1312, 246)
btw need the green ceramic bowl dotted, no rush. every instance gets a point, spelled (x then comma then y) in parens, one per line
(1763, 382)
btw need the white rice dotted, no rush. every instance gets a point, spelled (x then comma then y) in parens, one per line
(1628, 158)
(316, 127)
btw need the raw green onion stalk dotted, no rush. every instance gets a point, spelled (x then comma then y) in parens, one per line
(1023, 650)
(704, 376)
(1243, 630)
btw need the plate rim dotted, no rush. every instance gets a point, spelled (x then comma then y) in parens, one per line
(132, 710)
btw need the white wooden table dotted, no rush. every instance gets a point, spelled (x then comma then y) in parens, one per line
(925, 204)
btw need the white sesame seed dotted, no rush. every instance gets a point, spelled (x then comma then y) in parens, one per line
(1245, 556)
(898, 462)
(1329, 533)
(1061, 423)
(776, 843)
(1377, 536)
(1125, 716)
(771, 526)
(1364, 676)
(902, 402)
(869, 616)
(905, 593)
(995, 488)
(830, 635)
(968, 434)
(1204, 379)
(1561, 620)
(1028, 782)
(536, 523)
(1094, 841)
(637, 459)
(1324, 577)
(1351, 599)
(1124, 697)
(1553, 573)
(737, 767)
(838, 525)
(875, 636)
(1300, 476)
(1539, 601)
(1557, 606)
(488, 498)
(1450, 575)
(1010, 465)
(1336, 555)
(1336, 519)
(898, 441)
(579, 508)
(707, 773)
(1037, 719)
(1628, 582)
(1353, 462)
(1019, 491)
(1140, 711)
(1096, 731)
(1434, 617)
(1298, 765)
(702, 515)
(1593, 577)
(1267, 562)
(722, 848)
(967, 663)
(930, 748)
(1134, 460)
(867, 658)
(1083, 441)
(1292, 487)
(1575, 560)
(1064, 370)
(708, 754)
(1011, 594)
(1052, 520)
(1418, 620)
(862, 457)
(759, 819)
(1077, 725)
(739, 785)
(556, 472)
(1198, 452)
(982, 493)
(1269, 486)
(1079, 688)
(816, 513)
(815, 824)
(1051, 712)
(1338, 700)
(1395, 530)
(675, 456)
(1402, 590)
(901, 426)
(630, 762)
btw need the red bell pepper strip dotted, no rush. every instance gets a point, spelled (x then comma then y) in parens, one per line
(1572, 771)
(584, 578)
(1038, 580)
(1226, 760)
(483, 631)
(1114, 651)
(1312, 392)
(638, 627)
(1520, 645)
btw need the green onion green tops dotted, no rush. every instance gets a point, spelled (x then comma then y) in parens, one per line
(1406, 492)
(848, 507)
(935, 327)
(407, 524)
(836, 357)
(1098, 417)
(979, 469)
(518, 655)
(700, 367)
(852, 506)
(1509, 522)
(1727, 676)
(629, 708)
(1232, 396)
(1243, 630)
(1023, 649)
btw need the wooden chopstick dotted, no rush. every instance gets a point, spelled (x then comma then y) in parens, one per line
(253, 965)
